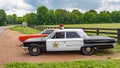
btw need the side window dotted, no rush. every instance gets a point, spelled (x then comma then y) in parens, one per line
(59, 35)
(72, 35)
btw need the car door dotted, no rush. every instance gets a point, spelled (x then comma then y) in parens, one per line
(73, 41)
(57, 42)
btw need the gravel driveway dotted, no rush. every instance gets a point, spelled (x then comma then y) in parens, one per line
(11, 51)
(2, 28)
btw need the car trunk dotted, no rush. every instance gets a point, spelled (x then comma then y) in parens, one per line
(98, 40)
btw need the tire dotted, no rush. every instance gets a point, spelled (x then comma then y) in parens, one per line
(34, 50)
(87, 50)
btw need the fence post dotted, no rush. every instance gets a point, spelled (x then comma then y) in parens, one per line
(118, 36)
(97, 31)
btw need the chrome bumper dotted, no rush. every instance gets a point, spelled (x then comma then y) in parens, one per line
(114, 45)
(25, 48)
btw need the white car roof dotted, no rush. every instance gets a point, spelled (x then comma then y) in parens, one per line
(60, 30)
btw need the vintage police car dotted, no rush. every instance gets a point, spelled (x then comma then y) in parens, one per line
(68, 40)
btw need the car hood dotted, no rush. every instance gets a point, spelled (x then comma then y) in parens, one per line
(25, 37)
(38, 39)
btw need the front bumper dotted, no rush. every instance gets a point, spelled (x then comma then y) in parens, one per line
(114, 45)
(25, 48)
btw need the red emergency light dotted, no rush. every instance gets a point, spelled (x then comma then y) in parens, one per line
(61, 26)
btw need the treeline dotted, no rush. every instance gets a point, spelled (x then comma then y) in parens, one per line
(9, 19)
(43, 15)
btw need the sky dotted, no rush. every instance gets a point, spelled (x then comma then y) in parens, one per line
(21, 7)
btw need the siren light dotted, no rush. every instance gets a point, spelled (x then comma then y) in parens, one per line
(61, 26)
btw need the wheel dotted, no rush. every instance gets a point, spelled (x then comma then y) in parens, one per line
(87, 50)
(34, 50)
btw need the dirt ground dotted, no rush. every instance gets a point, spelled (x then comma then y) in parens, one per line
(11, 51)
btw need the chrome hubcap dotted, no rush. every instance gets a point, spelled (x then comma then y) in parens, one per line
(34, 49)
(88, 49)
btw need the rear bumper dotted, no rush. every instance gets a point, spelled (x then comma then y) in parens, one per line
(25, 48)
(104, 46)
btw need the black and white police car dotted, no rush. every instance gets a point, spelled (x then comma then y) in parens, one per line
(68, 40)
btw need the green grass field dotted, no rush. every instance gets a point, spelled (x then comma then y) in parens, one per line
(111, 25)
(26, 30)
(75, 64)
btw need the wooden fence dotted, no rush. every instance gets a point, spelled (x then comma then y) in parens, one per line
(111, 32)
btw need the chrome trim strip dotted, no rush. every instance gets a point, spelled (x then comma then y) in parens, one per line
(102, 44)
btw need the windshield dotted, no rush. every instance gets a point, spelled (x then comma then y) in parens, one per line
(47, 32)
(48, 37)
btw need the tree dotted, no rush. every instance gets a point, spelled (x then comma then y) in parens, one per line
(115, 15)
(93, 11)
(30, 18)
(62, 16)
(19, 20)
(14, 18)
(76, 17)
(42, 15)
(51, 17)
(90, 16)
(2, 17)
(104, 17)
(11, 19)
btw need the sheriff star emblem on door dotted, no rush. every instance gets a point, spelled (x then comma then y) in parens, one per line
(55, 45)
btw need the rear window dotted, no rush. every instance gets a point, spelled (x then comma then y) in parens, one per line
(72, 35)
